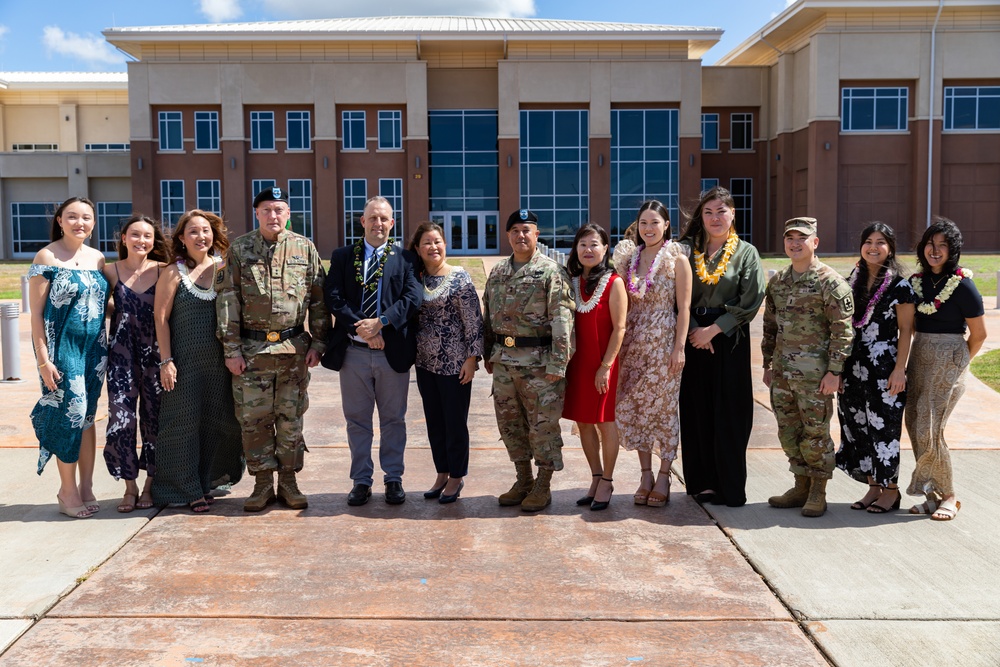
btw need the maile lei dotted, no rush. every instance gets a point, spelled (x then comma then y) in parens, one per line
(585, 306)
(727, 253)
(632, 282)
(359, 260)
(932, 306)
(873, 301)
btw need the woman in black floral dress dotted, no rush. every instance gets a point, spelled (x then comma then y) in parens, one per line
(449, 345)
(133, 358)
(873, 387)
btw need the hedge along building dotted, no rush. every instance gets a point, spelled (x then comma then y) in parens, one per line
(825, 111)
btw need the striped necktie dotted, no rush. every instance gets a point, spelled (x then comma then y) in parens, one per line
(369, 299)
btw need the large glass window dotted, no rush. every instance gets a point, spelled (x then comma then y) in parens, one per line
(171, 131)
(300, 201)
(31, 224)
(355, 196)
(972, 108)
(206, 130)
(707, 184)
(390, 130)
(463, 160)
(262, 130)
(110, 216)
(298, 128)
(171, 202)
(644, 153)
(210, 196)
(555, 172)
(392, 189)
(710, 132)
(106, 148)
(741, 132)
(873, 109)
(353, 130)
(742, 191)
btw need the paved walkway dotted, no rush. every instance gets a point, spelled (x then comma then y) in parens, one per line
(476, 584)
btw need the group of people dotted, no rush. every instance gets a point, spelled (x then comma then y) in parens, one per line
(209, 356)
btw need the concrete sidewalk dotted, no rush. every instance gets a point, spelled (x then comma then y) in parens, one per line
(476, 584)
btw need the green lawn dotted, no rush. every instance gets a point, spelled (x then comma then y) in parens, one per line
(986, 367)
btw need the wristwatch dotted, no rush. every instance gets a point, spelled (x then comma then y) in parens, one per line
(383, 320)
(835, 374)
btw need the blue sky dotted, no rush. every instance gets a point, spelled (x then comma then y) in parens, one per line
(65, 35)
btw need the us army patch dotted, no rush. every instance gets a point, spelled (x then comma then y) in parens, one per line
(848, 302)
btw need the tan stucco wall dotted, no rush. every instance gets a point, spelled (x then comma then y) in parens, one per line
(733, 86)
(30, 124)
(102, 124)
(462, 88)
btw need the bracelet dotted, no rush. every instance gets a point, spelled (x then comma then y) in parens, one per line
(165, 361)
(605, 364)
(43, 364)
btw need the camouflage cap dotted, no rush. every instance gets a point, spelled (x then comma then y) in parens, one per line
(805, 225)
(521, 216)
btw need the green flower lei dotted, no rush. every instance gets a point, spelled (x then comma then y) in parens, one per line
(359, 260)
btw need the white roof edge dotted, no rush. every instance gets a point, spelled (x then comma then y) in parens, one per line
(64, 80)
(799, 5)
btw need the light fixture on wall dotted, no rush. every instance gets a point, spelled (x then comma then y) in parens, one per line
(326, 162)
(418, 162)
(510, 161)
(140, 164)
(77, 170)
(67, 117)
(600, 159)
(778, 157)
(232, 163)
(826, 146)
(691, 160)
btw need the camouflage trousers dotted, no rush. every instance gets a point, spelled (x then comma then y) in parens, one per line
(270, 399)
(528, 408)
(803, 416)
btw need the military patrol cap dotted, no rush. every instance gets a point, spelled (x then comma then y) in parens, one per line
(521, 215)
(805, 225)
(270, 194)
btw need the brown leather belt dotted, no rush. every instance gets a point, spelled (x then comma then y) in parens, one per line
(272, 336)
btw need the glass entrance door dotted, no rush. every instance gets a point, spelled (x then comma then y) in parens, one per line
(470, 233)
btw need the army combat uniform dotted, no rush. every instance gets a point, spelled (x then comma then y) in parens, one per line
(807, 333)
(527, 322)
(266, 291)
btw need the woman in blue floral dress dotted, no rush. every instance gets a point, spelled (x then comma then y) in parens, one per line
(68, 294)
(873, 386)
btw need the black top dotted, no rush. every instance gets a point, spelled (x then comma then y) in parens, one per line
(964, 303)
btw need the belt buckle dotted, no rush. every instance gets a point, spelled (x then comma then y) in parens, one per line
(701, 310)
(508, 341)
(273, 336)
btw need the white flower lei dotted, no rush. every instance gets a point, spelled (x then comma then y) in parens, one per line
(591, 303)
(203, 293)
(433, 294)
(931, 307)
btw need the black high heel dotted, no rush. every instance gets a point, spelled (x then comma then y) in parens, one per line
(434, 493)
(445, 499)
(597, 505)
(586, 500)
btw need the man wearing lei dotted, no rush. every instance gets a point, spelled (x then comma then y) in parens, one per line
(374, 296)
(271, 284)
(527, 323)
(808, 335)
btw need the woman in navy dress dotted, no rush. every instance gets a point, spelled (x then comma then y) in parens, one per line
(68, 294)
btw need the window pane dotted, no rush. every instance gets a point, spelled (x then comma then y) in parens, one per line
(989, 112)
(630, 128)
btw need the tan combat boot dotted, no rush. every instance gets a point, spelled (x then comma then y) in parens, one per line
(522, 487)
(540, 496)
(263, 492)
(816, 505)
(794, 497)
(288, 491)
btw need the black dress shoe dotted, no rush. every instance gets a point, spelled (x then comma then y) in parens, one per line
(703, 497)
(433, 493)
(359, 495)
(445, 499)
(394, 494)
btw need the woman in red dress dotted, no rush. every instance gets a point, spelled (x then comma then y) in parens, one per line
(592, 374)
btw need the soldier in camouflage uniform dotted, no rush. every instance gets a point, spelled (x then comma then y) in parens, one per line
(527, 322)
(807, 338)
(272, 281)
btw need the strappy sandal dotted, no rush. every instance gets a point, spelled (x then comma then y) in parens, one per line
(860, 504)
(126, 506)
(641, 497)
(927, 507)
(586, 500)
(80, 512)
(657, 499)
(145, 498)
(875, 508)
(199, 506)
(209, 498)
(946, 511)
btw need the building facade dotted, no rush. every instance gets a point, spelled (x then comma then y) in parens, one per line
(846, 110)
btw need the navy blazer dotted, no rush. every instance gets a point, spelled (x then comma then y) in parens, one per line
(401, 297)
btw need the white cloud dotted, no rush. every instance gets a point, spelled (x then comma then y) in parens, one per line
(3, 31)
(89, 48)
(219, 11)
(352, 8)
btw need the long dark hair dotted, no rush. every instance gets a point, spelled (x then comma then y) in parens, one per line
(575, 267)
(952, 236)
(220, 242)
(159, 253)
(658, 208)
(861, 294)
(418, 234)
(57, 232)
(695, 228)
